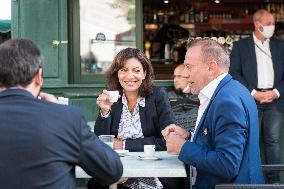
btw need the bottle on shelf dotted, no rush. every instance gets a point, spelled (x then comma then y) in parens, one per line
(147, 49)
(167, 53)
(192, 15)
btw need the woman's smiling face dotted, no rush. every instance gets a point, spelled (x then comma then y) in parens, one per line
(131, 75)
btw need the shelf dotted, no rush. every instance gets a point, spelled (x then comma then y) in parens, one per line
(247, 20)
(212, 21)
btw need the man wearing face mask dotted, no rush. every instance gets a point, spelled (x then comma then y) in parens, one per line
(258, 63)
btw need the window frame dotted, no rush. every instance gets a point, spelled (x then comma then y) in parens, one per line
(74, 38)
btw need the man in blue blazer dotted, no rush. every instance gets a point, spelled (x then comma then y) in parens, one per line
(258, 63)
(41, 141)
(224, 146)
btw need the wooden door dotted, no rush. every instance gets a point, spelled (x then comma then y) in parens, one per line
(45, 23)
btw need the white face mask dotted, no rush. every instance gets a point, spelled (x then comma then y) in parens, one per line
(268, 31)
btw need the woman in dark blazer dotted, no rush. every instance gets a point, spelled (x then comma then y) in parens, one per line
(154, 116)
(141, 112)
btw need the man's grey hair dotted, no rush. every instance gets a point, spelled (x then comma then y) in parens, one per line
(211, 49)
(258, 14)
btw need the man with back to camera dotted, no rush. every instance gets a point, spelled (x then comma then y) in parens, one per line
(224, 147)
(41, 141)
(258, 63)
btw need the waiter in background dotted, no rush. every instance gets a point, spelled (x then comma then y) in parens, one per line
(168, 37)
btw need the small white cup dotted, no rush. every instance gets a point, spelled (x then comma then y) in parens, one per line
(149, 150)
(107, 139)
(63, 100)
(113, 96)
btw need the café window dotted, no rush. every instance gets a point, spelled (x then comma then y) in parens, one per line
(106, 27)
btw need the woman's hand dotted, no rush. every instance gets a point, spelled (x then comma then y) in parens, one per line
(118, 144)
(103, 101)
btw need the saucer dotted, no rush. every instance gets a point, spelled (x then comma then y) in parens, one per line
(122, 152)
(146, 158)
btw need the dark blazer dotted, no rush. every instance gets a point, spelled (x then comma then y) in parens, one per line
(244, 66)
(41, 142)
(225, 147)
(154, 117)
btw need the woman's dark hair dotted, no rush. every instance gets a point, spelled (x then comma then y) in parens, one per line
(112, 82)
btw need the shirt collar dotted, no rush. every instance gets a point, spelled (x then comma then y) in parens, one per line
(259, 41)
(140, 100)
(208, 90)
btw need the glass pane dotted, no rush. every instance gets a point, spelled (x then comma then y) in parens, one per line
(5, 20)
(106, 27)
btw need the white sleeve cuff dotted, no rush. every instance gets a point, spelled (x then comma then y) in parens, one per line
(277, 92)
(105, 116)
(253, 92)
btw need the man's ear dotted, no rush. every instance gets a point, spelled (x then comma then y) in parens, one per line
(213, 68)
(38, 77)
(212, 65)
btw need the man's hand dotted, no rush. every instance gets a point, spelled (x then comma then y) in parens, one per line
(174, 143)
(172, 128)
(259, 96)
(48, 97)
(265, 97)
(270, 96)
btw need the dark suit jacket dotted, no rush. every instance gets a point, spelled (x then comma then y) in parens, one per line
(154, 117)
(244, 66)
(41, 142)
(225, 147)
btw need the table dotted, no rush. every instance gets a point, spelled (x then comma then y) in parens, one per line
(167, 166)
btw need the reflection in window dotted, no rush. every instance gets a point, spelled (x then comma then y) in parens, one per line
(106, 27)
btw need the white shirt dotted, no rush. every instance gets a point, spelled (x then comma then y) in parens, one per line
(205, 96)
(265, 70)
(130, 124)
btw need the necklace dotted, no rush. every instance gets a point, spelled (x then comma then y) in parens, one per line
(131, 108)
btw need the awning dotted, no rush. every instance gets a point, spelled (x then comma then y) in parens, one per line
(5, 26)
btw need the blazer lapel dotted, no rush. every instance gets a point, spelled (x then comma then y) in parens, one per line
(142, 114)
(274, 50)
(252, 58)
(116, 111)
(225, 80)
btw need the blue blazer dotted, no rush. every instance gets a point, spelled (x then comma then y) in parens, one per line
(244, 66)
(154, 117)
(225, 147)
(41, 142)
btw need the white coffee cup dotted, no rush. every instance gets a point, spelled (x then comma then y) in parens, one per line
(149, 150)
(107, 139)
(113, 96)
(63, 100)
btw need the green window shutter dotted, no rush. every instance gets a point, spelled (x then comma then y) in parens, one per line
(45, 23)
